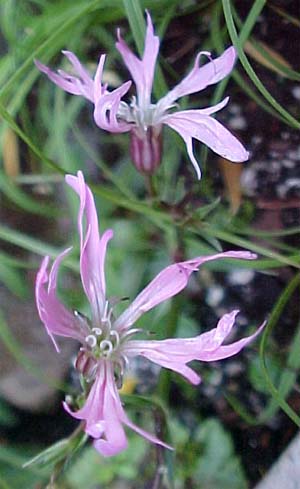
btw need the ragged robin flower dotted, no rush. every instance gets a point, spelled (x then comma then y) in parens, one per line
(145, 119)
(107, 342)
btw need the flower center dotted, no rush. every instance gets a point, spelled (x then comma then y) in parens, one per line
(141, 117)
(102, 344)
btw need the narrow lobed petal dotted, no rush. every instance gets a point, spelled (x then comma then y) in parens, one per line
(83, 74)
(99, 89)
(201, 76)
(92, 411)
(82, 85)
(104, 415)
(174, 354)
(92, 246)
(141, 70)
(107, 107)
(168, 283)
(196, 124)
(225, 351)
(56, 318)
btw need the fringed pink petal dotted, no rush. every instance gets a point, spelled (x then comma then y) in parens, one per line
(141, 70)
(56, 318)
(201, 76)
(106, 110)
(174, 354)
(195, 124)
(92, 411)
(104, 415)
(93, 248)
(168, 283)
(77, 85)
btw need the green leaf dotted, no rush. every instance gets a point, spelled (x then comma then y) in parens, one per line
(249, 70)
(217, 466)
(13, 280)
(90, 470)
(137, 22)
(256, 376)
(204, 210)
(58, 452)
(279, 393)
(23, 200)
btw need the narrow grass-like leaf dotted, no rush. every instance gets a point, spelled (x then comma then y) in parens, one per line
(107, 172)
(70, 16)
(217, 38)
(289, 374)
(270, 234)
(240, 409)
(259, 50)
(10, 121)
(228, 237)
(14, 457)
(13, 280)
(251, 19)
(204, 210)
(59, 451)
(137, 22)
(249, 70)
(264, 55)
(285, 15)
(23, 200)
(14, 262)
(287, 377)
(3, 484)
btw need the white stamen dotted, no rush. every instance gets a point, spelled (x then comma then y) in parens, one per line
(97, 331)
(91, 340)
(125, 361)
(105, 311)
(109, 315)
(131, 332)
(106, 346)
(117, 336)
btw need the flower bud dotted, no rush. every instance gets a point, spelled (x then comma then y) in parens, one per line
(85, 364)
(146, 149)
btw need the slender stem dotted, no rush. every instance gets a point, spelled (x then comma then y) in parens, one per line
(172, 321)
(150, 186)
(161, 468)
(58, 467)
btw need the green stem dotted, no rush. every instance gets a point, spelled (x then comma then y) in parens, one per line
(59, 466)
(150, 186)
(277, 311)
(164, 382)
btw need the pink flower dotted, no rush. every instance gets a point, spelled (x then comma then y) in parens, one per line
(144, 119)
(106, 342)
